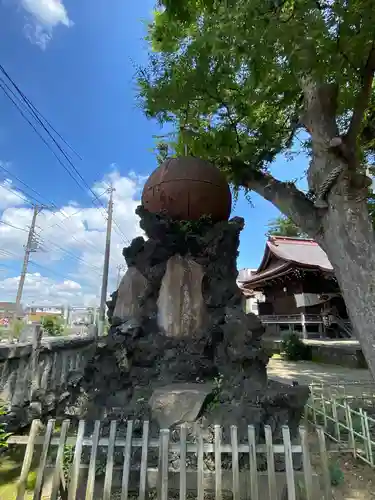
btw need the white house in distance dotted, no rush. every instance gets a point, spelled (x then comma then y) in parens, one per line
(251, 298)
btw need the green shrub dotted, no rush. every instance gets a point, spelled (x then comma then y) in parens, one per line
(3, 434)
(336, 474)
(52, 325)
(293, 349)
(31, 480)
(67, 460)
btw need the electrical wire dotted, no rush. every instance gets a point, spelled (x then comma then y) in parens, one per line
(38, 133)
(14, 227)
(86, 243)
(71, 254)
(12, 254)
(27, 195)
(9, 253)
(73, 214)
(35, 110)
(122, 235)
(37, 116)
(36, 264)
(35, 113)
(68, 252)
(64, 220)
(15, 193)
(25, 184)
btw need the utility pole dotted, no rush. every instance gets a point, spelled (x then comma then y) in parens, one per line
(28, 249)
(103, 297)
(120, 268)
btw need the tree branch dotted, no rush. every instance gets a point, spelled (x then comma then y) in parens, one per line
(363, 99)
(288, 199)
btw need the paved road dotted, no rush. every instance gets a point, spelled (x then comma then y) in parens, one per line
(305, 372)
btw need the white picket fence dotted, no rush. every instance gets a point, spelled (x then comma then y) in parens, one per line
(240, 482)
(351, 428)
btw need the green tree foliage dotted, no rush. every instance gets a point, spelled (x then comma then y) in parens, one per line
(162, 152)
(284, 226)
(228, 74)
(52, 325)
(14, 330)
(233, 80)
(238, 80)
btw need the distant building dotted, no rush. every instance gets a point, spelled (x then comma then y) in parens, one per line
(7, 310)
(251, 298)
(35, 314)
(300, 289)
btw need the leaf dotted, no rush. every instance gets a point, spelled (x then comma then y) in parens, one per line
(226, 75)
(284, 226)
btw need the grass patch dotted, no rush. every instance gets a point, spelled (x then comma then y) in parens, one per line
(10, 470)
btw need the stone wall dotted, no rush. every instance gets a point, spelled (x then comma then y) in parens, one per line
(60, 362)
(349, 356)
(341, 353)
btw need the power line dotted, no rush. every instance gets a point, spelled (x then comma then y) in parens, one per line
(5, 266)
(24, 184)
(27, 195)
(71, 254)
(36, 115)
(36, 264)
(38, 133)
(12, 254)
(64, 220)
(32, 262)
(9, 254)
(11, 225)
(23, 198)
(86, 243)
(42, 240)
(36, 111)
(75, 213)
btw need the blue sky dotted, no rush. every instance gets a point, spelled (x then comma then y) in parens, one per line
(76, 62)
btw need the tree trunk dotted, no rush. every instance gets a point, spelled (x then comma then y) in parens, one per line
(343, 229)
(346, 232)
(348, 239)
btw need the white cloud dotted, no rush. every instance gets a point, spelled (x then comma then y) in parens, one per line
(67, 267)
(43, 16)
(10, 197)
(47, 12)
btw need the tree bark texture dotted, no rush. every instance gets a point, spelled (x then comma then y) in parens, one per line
(344, 229)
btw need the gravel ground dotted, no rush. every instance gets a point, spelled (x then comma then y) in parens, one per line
(358, 478)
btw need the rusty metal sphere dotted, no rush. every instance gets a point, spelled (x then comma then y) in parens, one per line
(188, 188)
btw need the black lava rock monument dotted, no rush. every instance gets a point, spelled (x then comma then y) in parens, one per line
(180, 347)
